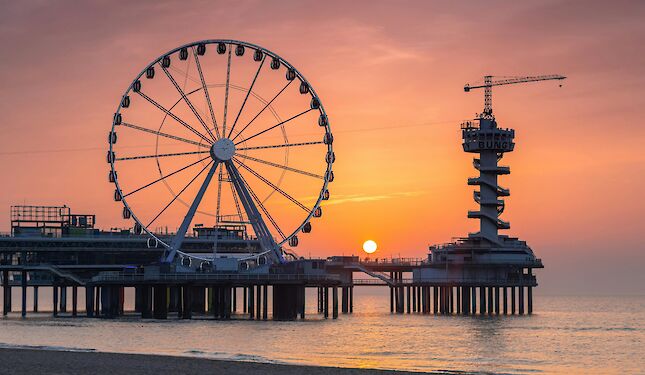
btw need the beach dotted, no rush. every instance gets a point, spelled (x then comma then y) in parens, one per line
(31, 361)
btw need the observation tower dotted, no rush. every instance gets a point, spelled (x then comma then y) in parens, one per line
(486, 260)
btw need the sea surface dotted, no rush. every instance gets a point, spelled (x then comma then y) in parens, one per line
(590, 335)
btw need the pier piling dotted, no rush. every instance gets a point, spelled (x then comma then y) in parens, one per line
(513, 300)
(35, 299)
(335, 302)
(529, 301)
(160, 308)
(89, 301)
(6, 293)
(55, 300)
(74, 300)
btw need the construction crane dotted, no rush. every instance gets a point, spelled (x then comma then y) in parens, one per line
(489, 83)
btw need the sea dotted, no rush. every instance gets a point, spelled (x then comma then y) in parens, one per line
(564, 335)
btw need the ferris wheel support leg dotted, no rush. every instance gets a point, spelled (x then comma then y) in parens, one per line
(175, 245)
(259, 226)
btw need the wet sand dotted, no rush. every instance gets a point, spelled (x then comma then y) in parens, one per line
(30, 361)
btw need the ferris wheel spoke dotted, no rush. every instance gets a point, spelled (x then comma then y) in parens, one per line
(182, 122)
(188, 102)
(285, 167)
(164, 177)
(262, 110)
(247, 96)
(261, 205)
(136, 127)
(228, 80)
(273, 186)
(205, 89)
(219, 196)
(274, 126)
(282, 145)
(181, 192)
(235, 199)
(161, 155)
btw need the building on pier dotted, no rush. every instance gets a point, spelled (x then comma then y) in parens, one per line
(47, 247)
(484, 259)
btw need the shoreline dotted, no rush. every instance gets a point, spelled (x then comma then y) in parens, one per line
(52, 361)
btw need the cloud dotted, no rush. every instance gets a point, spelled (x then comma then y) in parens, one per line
(361, 198)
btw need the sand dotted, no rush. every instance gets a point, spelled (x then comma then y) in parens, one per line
(30, 361)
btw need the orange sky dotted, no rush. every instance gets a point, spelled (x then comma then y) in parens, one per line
(391, 77)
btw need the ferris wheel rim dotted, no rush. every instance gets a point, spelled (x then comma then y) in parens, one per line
(229, 42)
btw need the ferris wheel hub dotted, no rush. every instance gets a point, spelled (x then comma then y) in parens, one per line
(223, 149)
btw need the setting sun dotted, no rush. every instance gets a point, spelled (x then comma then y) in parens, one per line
(369, 246)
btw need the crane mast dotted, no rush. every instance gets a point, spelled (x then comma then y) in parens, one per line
(489, 83)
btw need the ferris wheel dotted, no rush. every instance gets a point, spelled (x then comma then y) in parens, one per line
(221, 134)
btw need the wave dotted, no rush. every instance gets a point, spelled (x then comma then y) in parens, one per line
(46, 347)
(240, 357)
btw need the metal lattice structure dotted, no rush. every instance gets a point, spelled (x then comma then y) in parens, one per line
(229, 150)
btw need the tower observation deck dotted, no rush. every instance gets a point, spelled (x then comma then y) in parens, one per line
(490, 142)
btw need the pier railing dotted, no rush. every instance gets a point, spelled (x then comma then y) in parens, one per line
(526, 280)
(139, 277)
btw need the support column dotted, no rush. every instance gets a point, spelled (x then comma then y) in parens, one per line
(490, 300)
(6, 293)
(265, 308)
(146, 302)
(63, 298)
(74, 300)
(505, 295)
(186, 302)
(482, 300)
(409, 302)
(396, 299)
(513, 300)
(35, 299)
(458, 300)
(301, 300)
(89, 301)
(251, 302)
(228, 302)
(414, 299)
(23, 282)
(351, 299)
(391, 299)
(97, 301)
(244, 300)
(435, 300)
(326, 302)
(521, 300)
(335, 302)
(160, 302)
(55, 300)
(473, 299)
(529, 291)
(259, 303)
(496, 300)
(137, 299)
